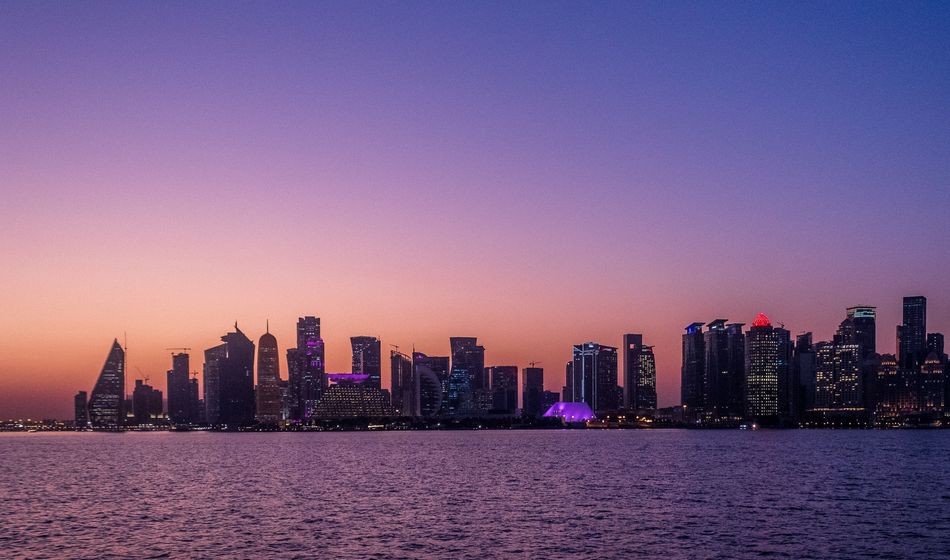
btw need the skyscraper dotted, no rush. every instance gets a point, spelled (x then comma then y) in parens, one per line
(268, 379)
(236, 380)
(400, 378)
(639, 374)
(762, 376)
(594, 376)
(532, 384)
(431, 381)
(467, 377)
(912, 335)
(504, 389)
(146, 403)
(178, 385)
(211, 375)
(80, 410)
(311, 364)
(366, 359)
(804, 371)
(861, 328)
(735, 352)
(838, 376)
(292, 399)
(107, 401)
(692, 387)
(715, 382)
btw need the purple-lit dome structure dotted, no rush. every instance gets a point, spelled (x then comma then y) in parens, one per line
(570, 412)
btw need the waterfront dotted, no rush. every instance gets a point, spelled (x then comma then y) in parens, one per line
(483, 494)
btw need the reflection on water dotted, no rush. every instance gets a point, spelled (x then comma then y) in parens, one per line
(497, 494)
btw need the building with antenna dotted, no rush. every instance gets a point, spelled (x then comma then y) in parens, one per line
(107, 400)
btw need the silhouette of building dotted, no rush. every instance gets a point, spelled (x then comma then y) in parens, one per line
(211, 375)
(504, 389)
(935, 345)
(532, 384)
(309, 372)
(107, 400)
(467, 376)
(81, 414)
(181, 408)
(431, 381)
(639, 374)
(593, 376)
(693, 372)
(268, 392)
(401, 383)
(859, 327)
(912, 335)
(804, 371)
(147, 403)
(367, 358)
(762, 375)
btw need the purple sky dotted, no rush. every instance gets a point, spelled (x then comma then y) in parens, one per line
(535, 174)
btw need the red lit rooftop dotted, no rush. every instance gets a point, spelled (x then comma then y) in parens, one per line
(761, 320)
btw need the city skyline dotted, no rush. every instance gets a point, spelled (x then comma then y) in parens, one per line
(309, 328)
(533, 177)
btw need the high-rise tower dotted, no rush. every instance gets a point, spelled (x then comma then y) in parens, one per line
(366, 359)
(912, 335)
(107, 400)
(268, 379)
(639, 374)
(762, 376)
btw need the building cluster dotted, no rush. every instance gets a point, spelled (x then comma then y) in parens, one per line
(762, 376)
(730, 376)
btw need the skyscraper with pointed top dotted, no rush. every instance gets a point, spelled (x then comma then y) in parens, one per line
(268, 379)
(107, 400)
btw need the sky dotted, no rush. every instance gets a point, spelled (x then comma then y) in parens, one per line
(536, 174)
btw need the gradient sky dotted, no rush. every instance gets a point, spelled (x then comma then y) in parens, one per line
(534, 174)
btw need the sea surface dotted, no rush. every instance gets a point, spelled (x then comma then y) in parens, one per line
(477, 494)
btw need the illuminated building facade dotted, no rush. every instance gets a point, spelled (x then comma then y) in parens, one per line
(107, 400)
(762, 375)
(268, 393)
(593, 376)
(467, 377)
(366, 359)
(639, 374)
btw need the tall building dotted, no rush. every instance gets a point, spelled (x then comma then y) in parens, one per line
(935, 344)
(401, 383)
(268, 392)
(932, 379)
(467, 377)
(838, 376)
(504, 389)
(593, 376)
(912, 334)
(107, 400)
(804, 371)
(146, 403)
(235, 370)
(366, 359)
(532, 386)
(715, 381)
(311, 366)
(181, 409)
(787, 389)
(859, 327)
(639, 374)
(431, 381)
(762, 375)
(735, 355)
(692, 388)
(292, 400)
(211, 376)
(889, 385)
(81, 414)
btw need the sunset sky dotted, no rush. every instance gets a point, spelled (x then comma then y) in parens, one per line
(537, 174)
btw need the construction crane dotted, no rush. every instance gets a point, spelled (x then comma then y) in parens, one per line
(143, 376)
(532, 364)
(183, 349)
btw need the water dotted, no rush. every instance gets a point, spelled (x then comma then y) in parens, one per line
(498, 494)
